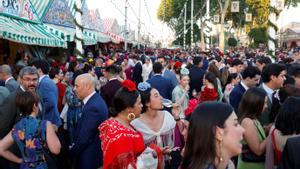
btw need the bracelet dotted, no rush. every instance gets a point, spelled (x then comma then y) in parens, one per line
(177, 118)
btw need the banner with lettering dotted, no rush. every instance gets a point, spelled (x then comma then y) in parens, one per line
(18, 8)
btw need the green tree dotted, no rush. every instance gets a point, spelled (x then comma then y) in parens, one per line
(232, 42)
(179, 39)
(165, 11)
(173, 12)
(258, 35)
(175, 19)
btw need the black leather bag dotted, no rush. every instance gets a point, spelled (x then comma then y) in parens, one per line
(249, 156)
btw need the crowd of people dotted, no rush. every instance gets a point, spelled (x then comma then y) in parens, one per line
(152, 108)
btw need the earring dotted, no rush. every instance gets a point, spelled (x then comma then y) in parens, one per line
(131, 116)
(221, 151)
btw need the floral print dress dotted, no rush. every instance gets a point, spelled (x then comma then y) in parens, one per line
(73, 113)
(30, 140)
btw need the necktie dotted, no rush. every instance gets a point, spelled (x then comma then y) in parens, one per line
(81, 111)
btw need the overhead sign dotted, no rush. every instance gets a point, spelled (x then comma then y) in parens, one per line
(216, 18)
(248, 17)
(18, 8)
(235, 6)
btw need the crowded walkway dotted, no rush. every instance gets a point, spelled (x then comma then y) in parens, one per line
(151, 108)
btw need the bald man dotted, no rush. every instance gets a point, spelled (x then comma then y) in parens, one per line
(86, 147)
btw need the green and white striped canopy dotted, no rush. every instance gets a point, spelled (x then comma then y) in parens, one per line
(28, 33)
(68, 34)
(90, 37)
(41, 6)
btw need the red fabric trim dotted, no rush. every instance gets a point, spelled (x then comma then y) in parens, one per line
(277, 152)
(121, 146)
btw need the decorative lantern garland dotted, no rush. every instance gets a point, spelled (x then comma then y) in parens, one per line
(272, 27)
(78, 37)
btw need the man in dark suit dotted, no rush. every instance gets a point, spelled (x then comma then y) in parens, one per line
(273, 77)
(110, 88)
(196, 75)
(251, 77)
(163, 85)
(6, 75)
(86, 147)
(48, 91)
(137, 70)
(10, 114)
(166, 73)
(290, 155)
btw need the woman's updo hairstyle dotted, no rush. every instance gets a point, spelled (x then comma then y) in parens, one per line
(145, 91)
(125, 97)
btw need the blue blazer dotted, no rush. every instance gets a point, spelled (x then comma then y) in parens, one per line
(87, 149)
(236, 96)
(12, 85)
(163, 85)
(49, 94)
(168, 74)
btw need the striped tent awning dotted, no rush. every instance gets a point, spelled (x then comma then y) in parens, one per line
(115, 38)
(68, 34)
(103, 38)
(71, 5)
(28, 33)
(100, 36)
(89, 37)
(41, 6)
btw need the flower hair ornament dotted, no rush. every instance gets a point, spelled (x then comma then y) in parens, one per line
(184, 71)
(129, 85)
(143, 86)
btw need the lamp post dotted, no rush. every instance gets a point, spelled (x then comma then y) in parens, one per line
(245, 28)
(184, 27)
(275, 5)
(192, 23)
(126, 35)
(79, 29)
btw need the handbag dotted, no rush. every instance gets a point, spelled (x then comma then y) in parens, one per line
(249, 156)
(49, 157)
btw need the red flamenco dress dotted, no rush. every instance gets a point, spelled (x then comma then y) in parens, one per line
(208, 94)
(120, 145)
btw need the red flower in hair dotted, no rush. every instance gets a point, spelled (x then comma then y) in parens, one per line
(129, 85)
(208, 95)
(177, 65)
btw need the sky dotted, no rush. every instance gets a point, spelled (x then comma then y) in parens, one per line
(151, 25)
(289, 15)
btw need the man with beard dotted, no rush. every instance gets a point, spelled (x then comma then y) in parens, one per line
(9, 113)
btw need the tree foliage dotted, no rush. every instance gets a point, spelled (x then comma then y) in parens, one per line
(260, 10)
(258, 35)
(175, 18)
(171, 12)
(165, 11)
(232, 42)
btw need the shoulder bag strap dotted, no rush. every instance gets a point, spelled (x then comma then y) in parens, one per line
(277, 152)
(258, 129)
